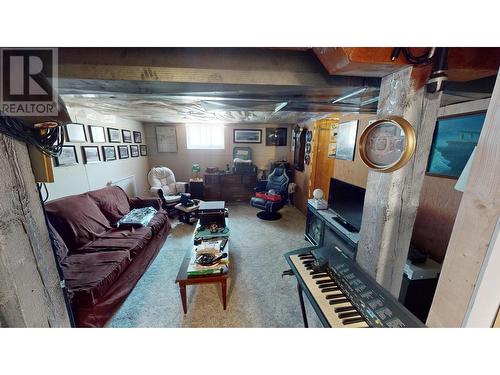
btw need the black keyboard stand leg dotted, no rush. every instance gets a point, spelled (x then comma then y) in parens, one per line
(302, 306)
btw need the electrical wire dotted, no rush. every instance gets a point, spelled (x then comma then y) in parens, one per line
(39, 185)
(48, 137)
(424, 58)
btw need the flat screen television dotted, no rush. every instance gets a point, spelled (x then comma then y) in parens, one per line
(347, 202)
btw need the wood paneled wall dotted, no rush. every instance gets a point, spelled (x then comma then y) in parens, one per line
(436, 214)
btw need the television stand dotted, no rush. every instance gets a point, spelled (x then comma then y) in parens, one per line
(345, 224)
(323, 230)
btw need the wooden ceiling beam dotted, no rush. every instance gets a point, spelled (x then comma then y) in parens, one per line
(192, 75)
(464, 64)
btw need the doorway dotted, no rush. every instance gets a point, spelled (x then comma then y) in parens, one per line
(322, 168)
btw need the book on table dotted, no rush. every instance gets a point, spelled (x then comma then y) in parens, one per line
(212, 246)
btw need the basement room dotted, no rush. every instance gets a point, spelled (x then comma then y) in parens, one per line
(293, 185)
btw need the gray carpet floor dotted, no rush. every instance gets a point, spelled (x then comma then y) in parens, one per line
(257, 294)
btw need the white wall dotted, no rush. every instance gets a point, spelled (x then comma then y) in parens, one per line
(182, 161)
(84, 177)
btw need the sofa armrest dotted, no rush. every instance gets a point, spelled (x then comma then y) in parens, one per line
(145, 202)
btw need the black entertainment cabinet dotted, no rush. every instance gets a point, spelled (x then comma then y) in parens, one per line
(323, 229)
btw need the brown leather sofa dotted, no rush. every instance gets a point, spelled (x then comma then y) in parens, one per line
(101, 264)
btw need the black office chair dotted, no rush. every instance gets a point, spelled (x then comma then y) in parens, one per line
(278, 183)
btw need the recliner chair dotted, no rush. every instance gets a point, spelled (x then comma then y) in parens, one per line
(278, 182)
(163, 184)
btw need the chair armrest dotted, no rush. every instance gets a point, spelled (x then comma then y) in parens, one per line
(181, 187)
(164, 189)
(145, 202)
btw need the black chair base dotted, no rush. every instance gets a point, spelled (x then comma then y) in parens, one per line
(268, 216)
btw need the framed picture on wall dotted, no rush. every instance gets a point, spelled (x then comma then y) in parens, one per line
(134, 151)
(346, 140)
(97, 134)
(247, 136)
(75, 133)
(109, 153)
(123, 152)
(144, 150)
(276, 136)
(68, 156)
(114, 135)
(137, 137)
(452, 145)
(166, 138)
(90, 154)
(127, 136)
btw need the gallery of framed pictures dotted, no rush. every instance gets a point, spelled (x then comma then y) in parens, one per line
(81, 133)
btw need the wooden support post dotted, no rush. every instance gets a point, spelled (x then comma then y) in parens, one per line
(392, 198)
(30, 294)
(475, 223)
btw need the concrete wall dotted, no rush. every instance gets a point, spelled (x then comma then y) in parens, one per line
(80, 178)
(30, 293)
(182, 161)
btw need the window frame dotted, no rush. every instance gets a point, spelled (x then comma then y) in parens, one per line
(192, 146)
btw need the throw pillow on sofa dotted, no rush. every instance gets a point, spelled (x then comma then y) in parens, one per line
(113, 202)
(77, 219)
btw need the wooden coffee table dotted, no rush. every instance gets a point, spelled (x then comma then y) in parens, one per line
(183, 279)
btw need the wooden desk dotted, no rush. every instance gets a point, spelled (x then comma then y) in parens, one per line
(229, 187)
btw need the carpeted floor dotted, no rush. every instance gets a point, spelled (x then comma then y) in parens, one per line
(257, 294)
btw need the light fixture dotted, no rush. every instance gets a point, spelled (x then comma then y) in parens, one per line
(280, 106)
(351, 94)
(369, 101)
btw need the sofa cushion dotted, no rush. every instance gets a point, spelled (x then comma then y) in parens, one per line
(60, 247)
(132, 240)
(112, 201)
(89, 276)
(77, 219)
(158, 221)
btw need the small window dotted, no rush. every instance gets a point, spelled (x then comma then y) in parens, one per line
(205, 136)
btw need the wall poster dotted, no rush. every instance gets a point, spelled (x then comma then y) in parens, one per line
(166, 138)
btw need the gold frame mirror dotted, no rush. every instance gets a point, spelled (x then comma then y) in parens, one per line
(405, 154)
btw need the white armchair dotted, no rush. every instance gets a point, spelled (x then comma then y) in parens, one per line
(163, 184)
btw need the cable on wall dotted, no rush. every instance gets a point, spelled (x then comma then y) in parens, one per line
(48, 137)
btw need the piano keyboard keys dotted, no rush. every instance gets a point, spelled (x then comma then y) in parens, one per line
(319, 276)
(335, 296)
(330, 289)
(352, 320)
(349, 315)
(344, 309)
(323, 281)
(327, 294)
(337, 301)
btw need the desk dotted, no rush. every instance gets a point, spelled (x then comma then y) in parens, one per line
(229, 187)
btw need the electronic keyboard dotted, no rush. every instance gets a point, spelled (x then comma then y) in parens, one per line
(342, 294)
